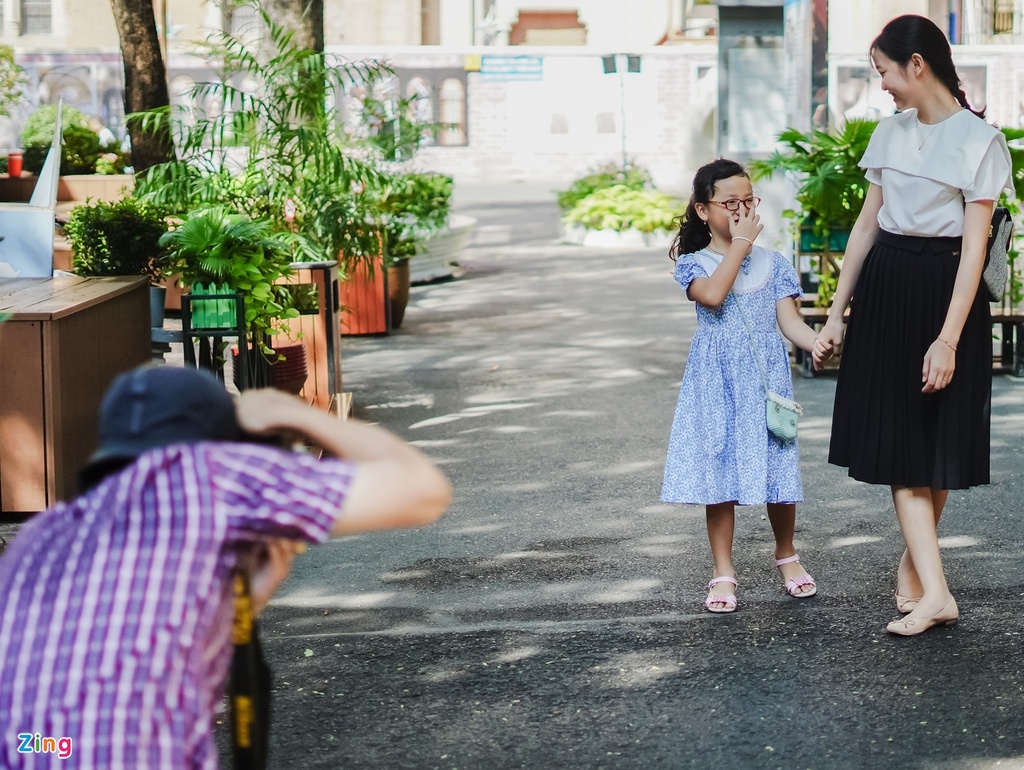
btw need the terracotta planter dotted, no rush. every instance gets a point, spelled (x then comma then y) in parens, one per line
(289, 373)
(365, 308)
(398, 290)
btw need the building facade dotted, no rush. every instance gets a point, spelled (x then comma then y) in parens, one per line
(540, 89)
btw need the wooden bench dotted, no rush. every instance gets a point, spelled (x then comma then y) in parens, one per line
(1011, 356)
(1010, 359)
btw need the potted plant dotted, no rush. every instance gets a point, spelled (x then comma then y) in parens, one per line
(830, 191)
(293, 167)
(618, 215)
(229, 250)
(615, 205)
(121, 238)
(609, 175)
(414, 209)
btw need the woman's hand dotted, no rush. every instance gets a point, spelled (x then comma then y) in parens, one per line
(938, 368)
(827, 342)
(745, 224)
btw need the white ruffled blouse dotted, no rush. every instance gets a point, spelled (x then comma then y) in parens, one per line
(926, 172)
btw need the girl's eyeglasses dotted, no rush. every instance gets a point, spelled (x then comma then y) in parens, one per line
(733, 204)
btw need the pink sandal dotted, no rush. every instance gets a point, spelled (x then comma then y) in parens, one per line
(793, 585)
(729, 600)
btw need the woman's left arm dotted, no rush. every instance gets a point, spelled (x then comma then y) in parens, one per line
(940, 360)
(792, 326)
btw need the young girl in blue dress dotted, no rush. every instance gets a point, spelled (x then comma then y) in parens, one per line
(720, 452)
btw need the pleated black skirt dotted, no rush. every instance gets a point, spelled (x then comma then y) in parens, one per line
(884, 429)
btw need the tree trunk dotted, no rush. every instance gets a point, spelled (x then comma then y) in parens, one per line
(145, 80)
(304, 17)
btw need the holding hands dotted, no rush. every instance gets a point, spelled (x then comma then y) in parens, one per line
(825, 344)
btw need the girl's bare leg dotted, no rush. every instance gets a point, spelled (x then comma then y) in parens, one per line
(721, 520)
(783, 520)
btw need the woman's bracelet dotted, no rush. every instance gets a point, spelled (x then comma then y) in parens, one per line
(947, 344)
(742, 238)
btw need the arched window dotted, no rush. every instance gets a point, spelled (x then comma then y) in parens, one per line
(452, 113)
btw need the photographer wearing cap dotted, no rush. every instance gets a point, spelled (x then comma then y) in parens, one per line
(116, 607)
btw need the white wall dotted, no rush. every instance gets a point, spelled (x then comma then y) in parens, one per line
(669, 105)
(853, 25)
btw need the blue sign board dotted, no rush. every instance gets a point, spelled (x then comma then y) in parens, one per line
(512, 67)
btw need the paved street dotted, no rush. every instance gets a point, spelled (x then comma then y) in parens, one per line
(553, 618)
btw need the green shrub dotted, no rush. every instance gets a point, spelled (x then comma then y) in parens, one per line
(622, 208)
(81, 144)
(610, 175)
(412, 206)
(119, 238)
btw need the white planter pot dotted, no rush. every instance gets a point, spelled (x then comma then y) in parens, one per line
(434, 257)
(582, 236)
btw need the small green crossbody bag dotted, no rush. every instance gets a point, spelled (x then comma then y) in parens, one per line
(782, 414)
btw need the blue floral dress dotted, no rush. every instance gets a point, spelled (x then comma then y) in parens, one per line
(720, 449)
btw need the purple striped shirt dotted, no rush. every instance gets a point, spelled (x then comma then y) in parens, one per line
(115, 612)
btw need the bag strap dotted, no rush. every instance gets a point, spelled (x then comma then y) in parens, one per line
(249, 679)
(753, 344)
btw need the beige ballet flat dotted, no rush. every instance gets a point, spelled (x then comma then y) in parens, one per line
(911, 626)
(905, 604)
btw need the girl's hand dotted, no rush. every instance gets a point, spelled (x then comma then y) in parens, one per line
(822, 351)
(745, 223)
(829, 339)
(938, 368)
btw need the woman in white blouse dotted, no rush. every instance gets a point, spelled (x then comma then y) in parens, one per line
(913, 396)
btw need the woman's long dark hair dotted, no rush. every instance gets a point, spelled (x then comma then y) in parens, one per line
(906, 35)
(693, 233)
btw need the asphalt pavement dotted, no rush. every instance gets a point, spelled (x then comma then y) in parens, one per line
(553, 618)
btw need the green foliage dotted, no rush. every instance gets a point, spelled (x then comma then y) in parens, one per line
(412, 206)
(218, 245)
(81, 147)
(622, 208)
(12, 81)
(285, 141)
(832, 186)
(395, 132)
(111, 161)
(121, 238)
(609, 175)
(38, 128)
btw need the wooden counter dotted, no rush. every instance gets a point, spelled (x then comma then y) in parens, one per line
(65, 340)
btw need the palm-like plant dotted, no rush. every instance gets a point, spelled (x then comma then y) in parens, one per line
(832, 186)
(280, 139)
(216, 245)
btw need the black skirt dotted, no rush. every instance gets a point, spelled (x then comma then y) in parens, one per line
(884, 429)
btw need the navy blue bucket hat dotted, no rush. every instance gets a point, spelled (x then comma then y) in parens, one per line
(155, 406)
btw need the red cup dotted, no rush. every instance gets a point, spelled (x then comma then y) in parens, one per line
(14, 164)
